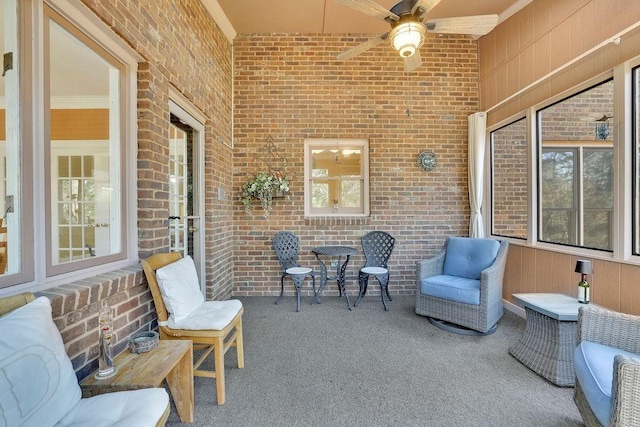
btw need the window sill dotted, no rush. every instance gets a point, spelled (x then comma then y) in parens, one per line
(337, 220)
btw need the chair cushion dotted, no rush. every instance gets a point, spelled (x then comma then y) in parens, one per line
(215, 315)
(593, 364)
(298, 270)
(452, 288)
(38, 385)
(140, 408)
(180, 287)
(374, 270)
(467, 257)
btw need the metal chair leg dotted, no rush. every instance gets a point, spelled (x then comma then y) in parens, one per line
(281, 290)
(363, 281)
(383, 290)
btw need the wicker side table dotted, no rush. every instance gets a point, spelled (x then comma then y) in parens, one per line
(547, 345)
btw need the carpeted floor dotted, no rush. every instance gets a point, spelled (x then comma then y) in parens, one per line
(327, 366)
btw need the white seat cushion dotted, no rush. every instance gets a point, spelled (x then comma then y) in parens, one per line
(180, 287)
(299, 270)
(215, 315)
(140, 408)
(374, 270)
(37, 383)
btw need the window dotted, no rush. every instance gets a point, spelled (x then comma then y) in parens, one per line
(336, 177)
(576, 170)
(636, 161)
(70, 162)
(509, 180)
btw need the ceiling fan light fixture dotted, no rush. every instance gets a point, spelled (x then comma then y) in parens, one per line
(407, 37)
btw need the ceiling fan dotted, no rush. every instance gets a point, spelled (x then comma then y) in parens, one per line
(408, 31)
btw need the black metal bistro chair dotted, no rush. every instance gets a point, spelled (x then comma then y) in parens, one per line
(287, 245)
(377, 247)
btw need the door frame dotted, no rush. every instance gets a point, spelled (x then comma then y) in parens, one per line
(181, 107)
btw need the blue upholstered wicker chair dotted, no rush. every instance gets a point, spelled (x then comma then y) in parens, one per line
(460, 289)
(287, 245)
(377, 247)
(607, 366)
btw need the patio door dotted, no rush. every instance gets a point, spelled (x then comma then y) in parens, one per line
(186, 231)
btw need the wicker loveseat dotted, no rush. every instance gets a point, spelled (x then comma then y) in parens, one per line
(607, 365)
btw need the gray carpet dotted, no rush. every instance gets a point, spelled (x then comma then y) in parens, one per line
(327, 366)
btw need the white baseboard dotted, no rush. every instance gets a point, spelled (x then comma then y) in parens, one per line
(514, 308)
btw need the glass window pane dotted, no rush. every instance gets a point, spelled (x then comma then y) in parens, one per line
(10, 146)
(576, 169)
(320, 194)
(636, 161)
(510, 180)
(84, 87)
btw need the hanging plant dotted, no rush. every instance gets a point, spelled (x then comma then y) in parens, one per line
(264, 187)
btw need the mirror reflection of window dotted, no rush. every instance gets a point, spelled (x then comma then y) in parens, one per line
(337, 177)
(509, 179)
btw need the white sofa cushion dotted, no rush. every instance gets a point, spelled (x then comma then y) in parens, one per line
(180, 288)
(140, 408)
(38, 385)
(214, 315)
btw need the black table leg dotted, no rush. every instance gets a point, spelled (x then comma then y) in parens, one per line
(323, 279)
(342, 278)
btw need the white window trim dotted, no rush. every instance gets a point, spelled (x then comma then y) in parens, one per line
(336, 142)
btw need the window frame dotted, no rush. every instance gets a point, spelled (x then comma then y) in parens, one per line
(621, 126)
(35, 273)
(329, 144)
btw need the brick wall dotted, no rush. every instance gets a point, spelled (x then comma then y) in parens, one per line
(290, 87)
(182, 48)
(75, 309)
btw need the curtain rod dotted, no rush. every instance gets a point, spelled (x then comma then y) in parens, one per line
(614, 39)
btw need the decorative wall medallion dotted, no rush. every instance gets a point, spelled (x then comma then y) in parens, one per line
(427, 161)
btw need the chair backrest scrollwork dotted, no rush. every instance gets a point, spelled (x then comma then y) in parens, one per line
(287, 245)
(377, 247)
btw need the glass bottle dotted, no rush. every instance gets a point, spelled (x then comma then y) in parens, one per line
(583, 290)
(106, 368)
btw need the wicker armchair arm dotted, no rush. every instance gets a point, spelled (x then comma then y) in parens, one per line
(607, 327)
(625, 394)
(495, 274)
(432, 266)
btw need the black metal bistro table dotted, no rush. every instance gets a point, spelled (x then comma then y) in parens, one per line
(341, 268)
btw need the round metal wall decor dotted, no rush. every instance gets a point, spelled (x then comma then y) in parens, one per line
(427, 160)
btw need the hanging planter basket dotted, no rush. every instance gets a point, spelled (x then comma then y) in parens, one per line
(264, 187)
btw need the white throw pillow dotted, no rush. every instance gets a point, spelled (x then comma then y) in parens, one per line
(180, 288)
(37, 383)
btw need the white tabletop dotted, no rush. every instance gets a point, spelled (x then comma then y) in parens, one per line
(557, 306)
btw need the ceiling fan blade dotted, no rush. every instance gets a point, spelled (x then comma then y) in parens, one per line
(424, 6)
(412, 62)
(475, 25)
(371, 8)
(362, 47)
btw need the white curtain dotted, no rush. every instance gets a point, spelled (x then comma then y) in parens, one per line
(477, 141)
